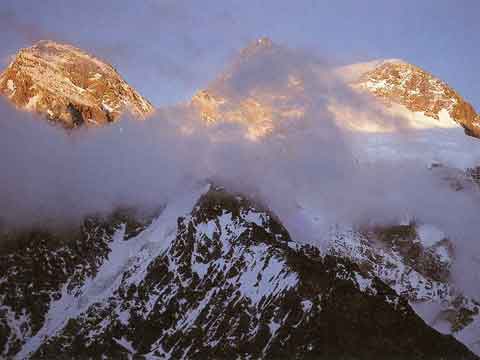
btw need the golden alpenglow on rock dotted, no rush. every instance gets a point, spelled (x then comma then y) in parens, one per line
(69, 86)
(398, 82)
(261, 109)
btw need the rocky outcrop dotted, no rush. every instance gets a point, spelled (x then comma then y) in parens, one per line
(69, 86)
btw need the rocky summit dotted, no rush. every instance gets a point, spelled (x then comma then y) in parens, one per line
(419, 91)
(69, 86)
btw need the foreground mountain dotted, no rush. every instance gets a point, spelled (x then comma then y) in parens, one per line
(69, 86)
(214, 276)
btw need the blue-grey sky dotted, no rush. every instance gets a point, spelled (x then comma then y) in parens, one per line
(168, 49)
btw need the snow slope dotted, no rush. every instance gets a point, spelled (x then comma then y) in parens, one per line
(136, 253)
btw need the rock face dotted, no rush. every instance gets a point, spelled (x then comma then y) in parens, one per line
(69, 86)
(406, 84)
(223, 280)
(37, 264)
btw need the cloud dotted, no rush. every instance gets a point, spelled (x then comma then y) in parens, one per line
(309, 168)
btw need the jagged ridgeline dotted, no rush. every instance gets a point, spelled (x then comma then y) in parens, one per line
(213, 276)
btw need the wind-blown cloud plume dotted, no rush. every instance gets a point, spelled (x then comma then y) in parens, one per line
(308, 165)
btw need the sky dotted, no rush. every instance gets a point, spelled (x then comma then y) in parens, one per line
(169, 49)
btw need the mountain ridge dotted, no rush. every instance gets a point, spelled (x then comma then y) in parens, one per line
(392, 81)
(226, 280)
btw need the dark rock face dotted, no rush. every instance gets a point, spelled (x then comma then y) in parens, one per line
(35, 265)
(231, 283)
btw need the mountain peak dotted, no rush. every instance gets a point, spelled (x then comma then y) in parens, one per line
(419, 91)
(264, 41)
(257, 46)
(69, 86)
(50, 44)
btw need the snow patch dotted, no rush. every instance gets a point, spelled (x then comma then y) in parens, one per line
(363, 283)
(306, 305)
(443, 254)
(254, 217)
(126, 344)
(106, 107)
(32, 102)
(11, 86)
(274, 278)
(429, 235)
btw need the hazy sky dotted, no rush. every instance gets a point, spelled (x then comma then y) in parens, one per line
(168, 49)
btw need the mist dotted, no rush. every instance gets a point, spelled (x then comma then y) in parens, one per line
(51, 177)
